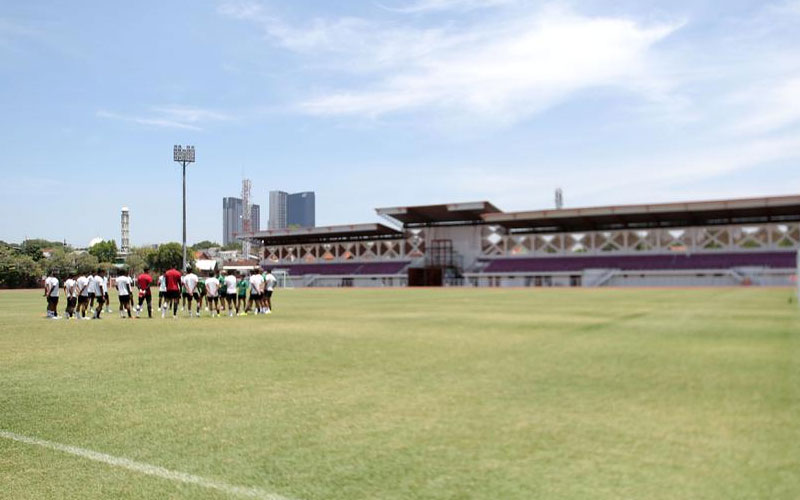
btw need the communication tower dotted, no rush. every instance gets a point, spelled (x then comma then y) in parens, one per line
(247, 211)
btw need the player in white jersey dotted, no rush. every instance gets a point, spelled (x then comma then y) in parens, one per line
(256, 291)
(270, 281)
(190, 283)
(51, 294)
(92, 289)
(162, 291)
(212, 294)
(83, 295)
(229, 285)
(99, 292)
(125, 291)
(105, 293)
(71, 292)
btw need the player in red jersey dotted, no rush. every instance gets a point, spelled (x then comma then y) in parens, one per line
(143, 282)
(173, 278)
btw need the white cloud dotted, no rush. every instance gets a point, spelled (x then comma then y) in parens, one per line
(768, 106)
(180, 117)
(661, 177)
(501, 68)
(438, 5)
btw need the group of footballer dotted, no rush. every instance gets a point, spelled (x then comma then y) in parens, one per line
(87, 295)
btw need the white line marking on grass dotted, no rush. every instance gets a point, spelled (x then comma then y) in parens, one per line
(150, 470)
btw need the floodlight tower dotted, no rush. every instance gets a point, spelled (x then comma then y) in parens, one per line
(247, 212)
(183, 156)
(559, 199)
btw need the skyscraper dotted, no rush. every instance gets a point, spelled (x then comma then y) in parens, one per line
(300, 209)
(232, 210)
(277, 210)
(255, 218)
(290, 210)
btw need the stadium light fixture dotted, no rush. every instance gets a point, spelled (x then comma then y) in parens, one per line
(183, 156)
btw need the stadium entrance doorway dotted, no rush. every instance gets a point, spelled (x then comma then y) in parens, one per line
(425, 276)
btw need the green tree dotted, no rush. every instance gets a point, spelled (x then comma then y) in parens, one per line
(59, 264)
(18, 270)
(33, 249)
(135, 263)
(233, 245)
(85, 263)
(205, 245)
(105, 251)
(167, 256)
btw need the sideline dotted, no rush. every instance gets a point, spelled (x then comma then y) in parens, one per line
(150, 470)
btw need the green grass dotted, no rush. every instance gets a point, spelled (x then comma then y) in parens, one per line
(395, 394)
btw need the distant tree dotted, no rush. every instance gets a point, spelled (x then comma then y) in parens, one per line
(44, 243)
(105, 251)
(33, 249)
(135, 263)
(205, 245)
(18, 270)
(59, 264)
(167, 256)
(233, 245)
(85, 263)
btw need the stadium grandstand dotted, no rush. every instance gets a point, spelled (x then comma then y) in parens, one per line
(708, 243)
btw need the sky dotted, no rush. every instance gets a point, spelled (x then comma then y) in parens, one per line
(387, 103)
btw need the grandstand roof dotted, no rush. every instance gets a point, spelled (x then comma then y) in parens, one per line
(426, 215)
(327, 233)
(770, 209)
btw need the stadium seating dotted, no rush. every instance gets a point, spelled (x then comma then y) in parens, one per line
(345, 269)
(643, 262)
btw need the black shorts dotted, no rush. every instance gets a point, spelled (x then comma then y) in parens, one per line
(172, 294)
(100, 300)
(71, 301)
(255, 296)
(82, 299)
(124, 299)
(212, 297)
(52, 300)
(231, 296)
(268, 294)
(91, 295)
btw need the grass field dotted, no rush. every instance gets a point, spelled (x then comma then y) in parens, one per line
(394, 394)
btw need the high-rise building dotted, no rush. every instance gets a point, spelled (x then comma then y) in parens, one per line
(290, 210)
(277, 210)
(232, 213)
(255, 218)
(300, 209)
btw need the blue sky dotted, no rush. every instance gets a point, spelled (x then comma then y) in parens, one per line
(387, 103)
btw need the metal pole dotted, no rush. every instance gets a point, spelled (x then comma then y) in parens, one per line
(184, 216)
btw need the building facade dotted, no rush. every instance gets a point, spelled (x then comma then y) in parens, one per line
(739, 242)
(277, 210)
(300, 209)
(291, 210)
(232, 212)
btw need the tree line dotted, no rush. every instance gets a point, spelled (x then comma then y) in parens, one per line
(23, 265)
